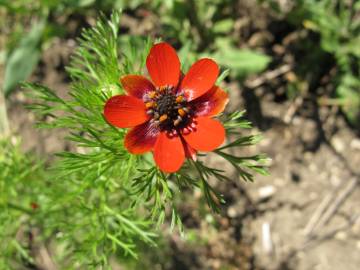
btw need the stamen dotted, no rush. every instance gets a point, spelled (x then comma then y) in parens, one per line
(163, 117)
(179, 99)
(182, 112)
(177, 121)
(150, 104)
(152, 94)
(168, 110)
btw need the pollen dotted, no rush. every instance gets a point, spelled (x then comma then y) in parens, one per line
(152, 94)
(179, 99)
(177, 122)
(163, 117)
(150, 104)
(181, 112)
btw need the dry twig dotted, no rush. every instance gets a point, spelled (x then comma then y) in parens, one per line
(267, 76)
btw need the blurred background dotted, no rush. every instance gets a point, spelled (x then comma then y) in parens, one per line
(294, 67)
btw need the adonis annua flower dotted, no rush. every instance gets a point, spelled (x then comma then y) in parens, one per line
(171, 115)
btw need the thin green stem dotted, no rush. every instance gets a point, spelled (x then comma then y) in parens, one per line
(198, 169)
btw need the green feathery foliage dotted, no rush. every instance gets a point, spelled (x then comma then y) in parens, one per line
(20, 185)
(102, 185)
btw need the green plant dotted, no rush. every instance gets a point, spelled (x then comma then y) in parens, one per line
(340, 36)
(335, 23)
(207, 28)
(37, 208)
(20, 185)
(31, 26)
(90, 200)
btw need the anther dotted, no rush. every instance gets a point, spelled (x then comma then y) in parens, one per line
(152, 94)
(179, 99)
(177, 121)
(163, 117)
(182, 112)
(150, 104)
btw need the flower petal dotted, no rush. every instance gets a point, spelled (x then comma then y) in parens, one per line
(211, 103)
(200, 78)
(208, 134)
(136, 85)
(125, 111)
(169, 153)
(163, 65)
(142, 138)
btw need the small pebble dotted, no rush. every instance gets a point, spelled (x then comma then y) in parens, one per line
(341, 236)
(355, 144)
(266, 192)
(338, 144)
(232, 212)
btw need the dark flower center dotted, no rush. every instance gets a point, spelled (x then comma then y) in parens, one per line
(170, 111)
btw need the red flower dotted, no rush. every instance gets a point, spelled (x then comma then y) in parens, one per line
(172, 115)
